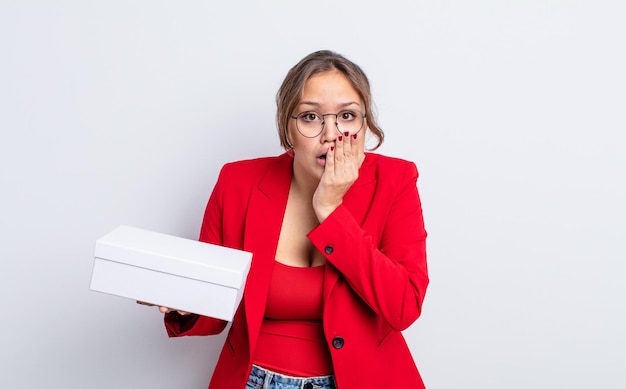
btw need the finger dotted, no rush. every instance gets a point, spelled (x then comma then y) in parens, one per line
(347, 152)
(330, 159)
(338, 155)
(357, 149)
(353, 143)
(340, 151)
(164, 309)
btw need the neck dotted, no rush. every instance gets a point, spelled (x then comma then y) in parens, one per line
(304, 186)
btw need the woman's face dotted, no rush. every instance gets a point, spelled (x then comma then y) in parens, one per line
(324, 93)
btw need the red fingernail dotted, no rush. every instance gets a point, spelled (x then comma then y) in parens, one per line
(354, 136)
(340, 138)
(346, 133)
(332, 148)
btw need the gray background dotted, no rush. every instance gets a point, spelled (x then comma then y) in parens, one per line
(122, 112)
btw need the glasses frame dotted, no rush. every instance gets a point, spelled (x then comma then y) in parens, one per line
(323, 116)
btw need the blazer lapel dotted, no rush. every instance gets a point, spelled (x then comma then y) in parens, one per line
(263, 222)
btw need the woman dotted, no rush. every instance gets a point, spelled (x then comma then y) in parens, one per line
(338, 243)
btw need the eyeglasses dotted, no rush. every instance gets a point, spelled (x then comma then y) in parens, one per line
(310, 123)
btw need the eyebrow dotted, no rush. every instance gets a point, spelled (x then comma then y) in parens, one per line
(315, 104)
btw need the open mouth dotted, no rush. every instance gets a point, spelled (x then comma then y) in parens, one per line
(321, 159)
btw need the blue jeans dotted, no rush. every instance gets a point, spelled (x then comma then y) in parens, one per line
(261, 378)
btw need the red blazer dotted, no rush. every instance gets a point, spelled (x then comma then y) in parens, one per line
(376, 272)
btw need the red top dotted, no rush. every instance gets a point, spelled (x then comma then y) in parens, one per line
(292, 339)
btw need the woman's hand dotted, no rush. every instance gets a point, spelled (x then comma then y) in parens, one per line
(163, 309)
(340, 172)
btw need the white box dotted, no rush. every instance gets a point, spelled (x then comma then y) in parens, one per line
(169, 271)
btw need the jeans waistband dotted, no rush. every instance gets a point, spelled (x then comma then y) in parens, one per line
(270, 379)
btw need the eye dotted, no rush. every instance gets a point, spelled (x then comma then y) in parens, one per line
(346, 116)
(310, 117)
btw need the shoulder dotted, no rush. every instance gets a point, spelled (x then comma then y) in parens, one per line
(250, 172)
(384, 166)
(249, 167)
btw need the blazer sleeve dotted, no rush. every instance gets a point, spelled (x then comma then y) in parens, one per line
(390, 276)
(210, 232)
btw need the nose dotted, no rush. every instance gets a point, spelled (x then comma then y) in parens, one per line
(330, 131)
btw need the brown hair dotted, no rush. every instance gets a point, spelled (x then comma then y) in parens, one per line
(290, 92)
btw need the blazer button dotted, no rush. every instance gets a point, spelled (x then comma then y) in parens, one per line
(338, 342)
(328, 249)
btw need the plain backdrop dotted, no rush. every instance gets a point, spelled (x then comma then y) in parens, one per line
(122, 112)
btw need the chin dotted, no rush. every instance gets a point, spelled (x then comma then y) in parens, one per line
(317, 172)
(308, 172)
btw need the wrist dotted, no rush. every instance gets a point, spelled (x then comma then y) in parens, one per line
(322, 212)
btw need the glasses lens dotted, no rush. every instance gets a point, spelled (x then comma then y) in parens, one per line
(311, 124)
(349, 121)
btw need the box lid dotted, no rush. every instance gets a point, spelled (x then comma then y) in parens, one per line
(174, 255)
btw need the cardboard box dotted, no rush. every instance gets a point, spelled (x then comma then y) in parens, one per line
(169, 271)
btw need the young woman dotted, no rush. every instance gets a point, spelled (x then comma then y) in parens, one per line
(338, 243)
